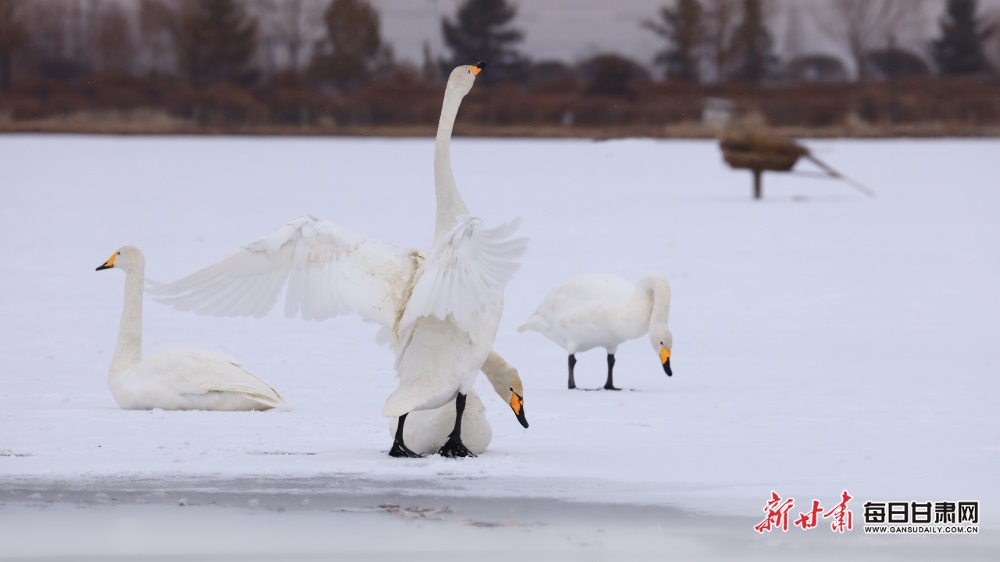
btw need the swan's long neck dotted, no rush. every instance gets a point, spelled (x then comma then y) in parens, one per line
(128, 352)
(655, 290)
(449, 201)
(501, 375)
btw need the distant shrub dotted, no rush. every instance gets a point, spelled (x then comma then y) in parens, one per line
(111, 92)
(229, 104)
(804, 106)
(21, 107)
(816, 68)
(610, 75)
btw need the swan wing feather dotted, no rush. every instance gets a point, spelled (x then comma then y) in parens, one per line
(326, 270)
(465, 273)
(197, 373)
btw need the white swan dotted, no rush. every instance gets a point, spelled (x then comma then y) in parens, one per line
(427, 431)
(604, 311)
(174, 379)
(438, 309)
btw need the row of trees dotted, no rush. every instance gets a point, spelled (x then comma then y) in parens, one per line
(325, 62)
(702, 34)
(338, 44)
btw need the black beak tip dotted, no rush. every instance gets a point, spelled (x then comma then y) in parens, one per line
(102, 266)
(481, 64)
(667, 369)
(522, 419)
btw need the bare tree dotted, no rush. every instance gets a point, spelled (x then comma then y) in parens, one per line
(864, 25)
(429, 69)
(52, 48)
(354, 51)
(721, 17)
(797, 41)
(993, 48)
(157, 22)
(12, 37)
(290, 25)
(111, 39)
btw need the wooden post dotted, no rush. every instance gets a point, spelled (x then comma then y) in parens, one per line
(757, 188)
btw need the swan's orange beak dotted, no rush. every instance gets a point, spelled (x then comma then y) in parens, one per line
(517, 404)
(665, 359)
(475, 69)
(108, 264)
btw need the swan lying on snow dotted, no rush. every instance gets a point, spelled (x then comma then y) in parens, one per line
(428, 430)
(439, 310)
(604, 311)
(174, 379)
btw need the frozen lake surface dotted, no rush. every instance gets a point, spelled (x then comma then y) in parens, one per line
(823, 341)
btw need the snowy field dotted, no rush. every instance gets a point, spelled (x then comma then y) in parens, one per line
(823, 341)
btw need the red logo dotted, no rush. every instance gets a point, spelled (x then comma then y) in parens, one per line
(777, 515)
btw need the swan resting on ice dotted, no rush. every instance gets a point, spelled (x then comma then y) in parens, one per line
(439, 309)
(603, 311)
(174, 379)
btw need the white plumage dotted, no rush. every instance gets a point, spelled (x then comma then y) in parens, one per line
(426, 431)
(593, 310)
(438, 309)
(329, 270)
(174, 379)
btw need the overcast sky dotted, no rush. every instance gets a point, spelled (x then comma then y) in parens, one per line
(570, 30)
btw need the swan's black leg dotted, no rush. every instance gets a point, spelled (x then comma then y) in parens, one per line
(572, 363)
(454, 446)
(398, 448)
(611, 367)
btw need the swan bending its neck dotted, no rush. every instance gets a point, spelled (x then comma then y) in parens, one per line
(449, 201)
(654, 291)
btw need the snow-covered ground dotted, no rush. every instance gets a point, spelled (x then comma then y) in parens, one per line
(823, 341)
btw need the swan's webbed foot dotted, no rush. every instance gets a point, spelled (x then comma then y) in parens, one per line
(399, 450)
(609, 386)
(454, 448)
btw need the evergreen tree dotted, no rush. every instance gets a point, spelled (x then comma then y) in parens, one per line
(353, 51)
(959, 50)
(482, 31)
(684, 30)
(752, 46)
(215, 41)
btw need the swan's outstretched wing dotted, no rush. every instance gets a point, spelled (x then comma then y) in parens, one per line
(465, 273)
(330, 270)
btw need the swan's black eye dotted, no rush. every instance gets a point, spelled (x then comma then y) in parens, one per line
(512, 389)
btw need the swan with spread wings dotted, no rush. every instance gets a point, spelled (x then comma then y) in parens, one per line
(439, 309)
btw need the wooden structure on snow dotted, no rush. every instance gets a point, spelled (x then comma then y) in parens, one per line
(759, 152)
